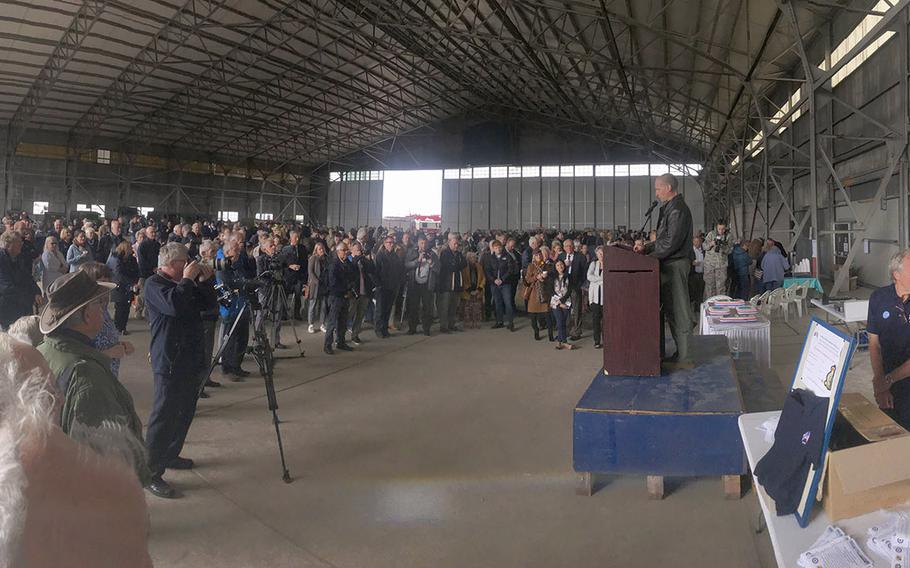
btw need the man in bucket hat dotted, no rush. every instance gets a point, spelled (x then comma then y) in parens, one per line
(97, 409)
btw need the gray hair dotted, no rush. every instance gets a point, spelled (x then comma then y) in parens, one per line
(9, 238)
(532, 241)
(896, 264)
(26, 409)
(171, 252)
(207, 245)
(27, 330)
(668, 180)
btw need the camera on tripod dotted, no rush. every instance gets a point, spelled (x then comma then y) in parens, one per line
(226, 296)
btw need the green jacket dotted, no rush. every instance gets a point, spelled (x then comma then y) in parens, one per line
(96, 406)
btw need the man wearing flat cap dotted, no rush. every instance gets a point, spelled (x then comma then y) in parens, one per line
(97, 409)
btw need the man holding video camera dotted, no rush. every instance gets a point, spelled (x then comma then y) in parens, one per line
(232, 274)
(271, 264)
(717, 247)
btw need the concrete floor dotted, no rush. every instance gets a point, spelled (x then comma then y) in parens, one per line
(442, 451)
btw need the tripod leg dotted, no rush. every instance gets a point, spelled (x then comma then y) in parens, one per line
(217, 356)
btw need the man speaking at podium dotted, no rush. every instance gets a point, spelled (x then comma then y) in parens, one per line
(673, 249)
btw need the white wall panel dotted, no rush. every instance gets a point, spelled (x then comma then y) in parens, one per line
(584, 202)
(450, 204)
(480, 204)
(621, 202)
(605, 203)
(549, 208)
(513, 204)
(363, 204)
(499, 204)
(530, 202)
(374, 218)
(640, 197)
(332, 213)
(464, 205)
(566, 203)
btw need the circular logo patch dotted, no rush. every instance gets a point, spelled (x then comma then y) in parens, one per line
(886, 314)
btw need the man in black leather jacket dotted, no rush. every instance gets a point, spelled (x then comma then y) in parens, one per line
(674, 251)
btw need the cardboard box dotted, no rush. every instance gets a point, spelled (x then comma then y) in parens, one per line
(869, 477)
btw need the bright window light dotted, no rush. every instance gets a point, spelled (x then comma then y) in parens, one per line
(264, 216)
(530, 171)
(232, 216)
(566, 171)
(549, 171)
(94, 208)
(603, 171)
(584, 171)
(621, 170)
(514, 172)
(104, 156)
(638, 170)
(334, 176)
(450, 174)
(40, 207)
(298, 218)
(144, 211)
(499, 172)
(412, 192)
(467, 173)
(659, 169)
(481, 173)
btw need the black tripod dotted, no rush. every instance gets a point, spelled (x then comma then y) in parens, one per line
(263, 354)
(274, 305)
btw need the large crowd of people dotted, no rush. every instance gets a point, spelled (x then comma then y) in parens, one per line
(200, 287)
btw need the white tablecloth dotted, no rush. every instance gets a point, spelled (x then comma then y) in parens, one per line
(787, 538)
(752, 337)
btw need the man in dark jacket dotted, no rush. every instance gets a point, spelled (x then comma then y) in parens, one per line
(741, 262)
(577, 270)
(673, 249)
(362, 270)
(147, 257)
(175, 297)
(339, 291)
(421, 265)
(451, 263)
(18, 290)
(389, 271)
(109, 241)
(498, 269)
(295, 254)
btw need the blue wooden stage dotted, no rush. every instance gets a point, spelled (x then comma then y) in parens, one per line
(683, 423)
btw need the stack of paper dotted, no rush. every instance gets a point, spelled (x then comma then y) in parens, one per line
(714, 311)
(728, 303)
(746, 311)
(889, 540)
(834, 549)
(737, 319)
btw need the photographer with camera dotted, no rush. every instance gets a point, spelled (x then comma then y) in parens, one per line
(232, 275)
(362, 274)
(340, 291)
(422, 267)
(297, 256)
(717, 247)
(271, 264)
(176, 296)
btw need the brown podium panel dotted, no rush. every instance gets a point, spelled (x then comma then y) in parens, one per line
(631, 314)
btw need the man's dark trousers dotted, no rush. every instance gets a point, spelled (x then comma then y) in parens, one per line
(172, 413)
(336, 323)
(419, 308)
(502, 301)
(674, 300)
(232, 356)
(385, 298)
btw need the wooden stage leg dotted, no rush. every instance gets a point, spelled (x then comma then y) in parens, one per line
(655, 487)
(585, 484)
(732, 487)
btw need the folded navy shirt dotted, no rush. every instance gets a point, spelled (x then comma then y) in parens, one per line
(798, 442)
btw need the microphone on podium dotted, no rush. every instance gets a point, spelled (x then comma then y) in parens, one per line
(648, 214)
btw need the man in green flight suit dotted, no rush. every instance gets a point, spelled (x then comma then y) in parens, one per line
(673, 248)
(97, 410)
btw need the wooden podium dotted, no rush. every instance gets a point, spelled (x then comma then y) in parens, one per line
(631, 314)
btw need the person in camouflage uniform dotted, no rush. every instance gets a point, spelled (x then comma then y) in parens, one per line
(717, 247)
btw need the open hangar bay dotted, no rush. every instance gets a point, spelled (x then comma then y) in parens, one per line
(788, 119)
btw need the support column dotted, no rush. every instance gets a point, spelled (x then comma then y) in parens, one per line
(6, 165)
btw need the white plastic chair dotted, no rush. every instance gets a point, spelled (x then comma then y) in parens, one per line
(759, 299)
(795, 295)
(776, 299)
